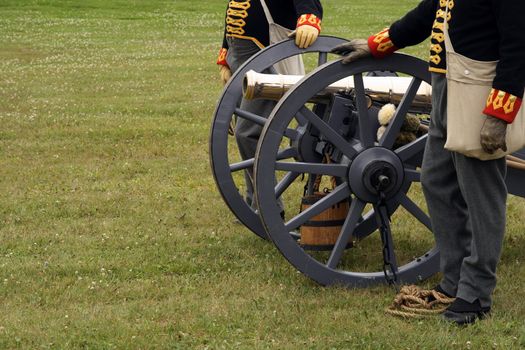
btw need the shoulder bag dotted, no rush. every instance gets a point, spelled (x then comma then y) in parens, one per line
(293, 65)
(469, 83)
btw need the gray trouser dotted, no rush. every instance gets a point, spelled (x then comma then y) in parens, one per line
(466, 199)
(247, 133)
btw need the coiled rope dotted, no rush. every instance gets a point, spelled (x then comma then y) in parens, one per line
(414, 302)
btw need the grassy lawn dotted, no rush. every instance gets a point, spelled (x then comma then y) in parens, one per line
(112, 232)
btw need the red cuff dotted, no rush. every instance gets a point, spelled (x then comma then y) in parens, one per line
(310, 20)
(502, 105)
(221, 60)
(380, 44)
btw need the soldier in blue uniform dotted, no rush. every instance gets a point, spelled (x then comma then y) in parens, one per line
(246, 32)
(466, 197)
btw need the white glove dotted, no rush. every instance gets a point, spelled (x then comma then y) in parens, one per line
(304, 36)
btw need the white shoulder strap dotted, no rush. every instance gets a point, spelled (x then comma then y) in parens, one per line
(269, 17)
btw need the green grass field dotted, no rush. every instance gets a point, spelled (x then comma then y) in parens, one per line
(112, 232)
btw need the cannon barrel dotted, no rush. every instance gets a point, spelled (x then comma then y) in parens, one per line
(382, 89)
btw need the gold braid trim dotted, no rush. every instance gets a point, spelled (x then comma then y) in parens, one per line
(242, 5)
(234, 26)
(234, 30)
(237, 13)
(235, 22)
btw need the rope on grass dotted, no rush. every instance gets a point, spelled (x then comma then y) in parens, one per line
(414, 302)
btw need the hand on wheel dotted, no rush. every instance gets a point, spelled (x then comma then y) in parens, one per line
(353, 50)
(225, 74)
(306, 31)
(304, 36)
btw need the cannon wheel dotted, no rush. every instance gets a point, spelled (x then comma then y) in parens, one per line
(360, 154)
(222, 167)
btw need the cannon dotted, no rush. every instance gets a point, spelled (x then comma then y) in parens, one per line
(322, 133)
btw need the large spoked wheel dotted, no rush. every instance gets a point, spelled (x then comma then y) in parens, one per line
(227, 167)
(357, 162)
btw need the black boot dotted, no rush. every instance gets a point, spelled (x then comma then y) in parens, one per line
(462, 312)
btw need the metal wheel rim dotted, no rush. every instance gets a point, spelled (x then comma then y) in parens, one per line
(218, 142)
(420, 268)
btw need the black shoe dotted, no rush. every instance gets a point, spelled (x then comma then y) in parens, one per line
(462, 312)
(439, 290)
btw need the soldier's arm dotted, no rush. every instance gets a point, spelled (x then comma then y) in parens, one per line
(309, 7)
(221, 59)
(224, 70)
(308, 24)
(412, 29)
(505, 99)
(415, 26)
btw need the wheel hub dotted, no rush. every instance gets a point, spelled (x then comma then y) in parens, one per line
(374, 171)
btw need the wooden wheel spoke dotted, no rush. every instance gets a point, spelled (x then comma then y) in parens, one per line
(337, 170)
(292, 134)
(300, 118)
(356, 208)
(413, 148)
(286, 181)
(322, 59)
(412, 175)
(365, 126)
(287, 153)
(245, 164)
(413, 209)
(329, 133)
(340, 193)
(248, 163)
(257, 119)
(391, 132)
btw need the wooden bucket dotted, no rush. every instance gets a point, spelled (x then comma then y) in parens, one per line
(324, 228)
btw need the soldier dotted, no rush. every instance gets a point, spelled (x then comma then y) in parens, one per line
(466, 197)
(246, 33)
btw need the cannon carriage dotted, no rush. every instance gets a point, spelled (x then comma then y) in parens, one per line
(319, 153)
